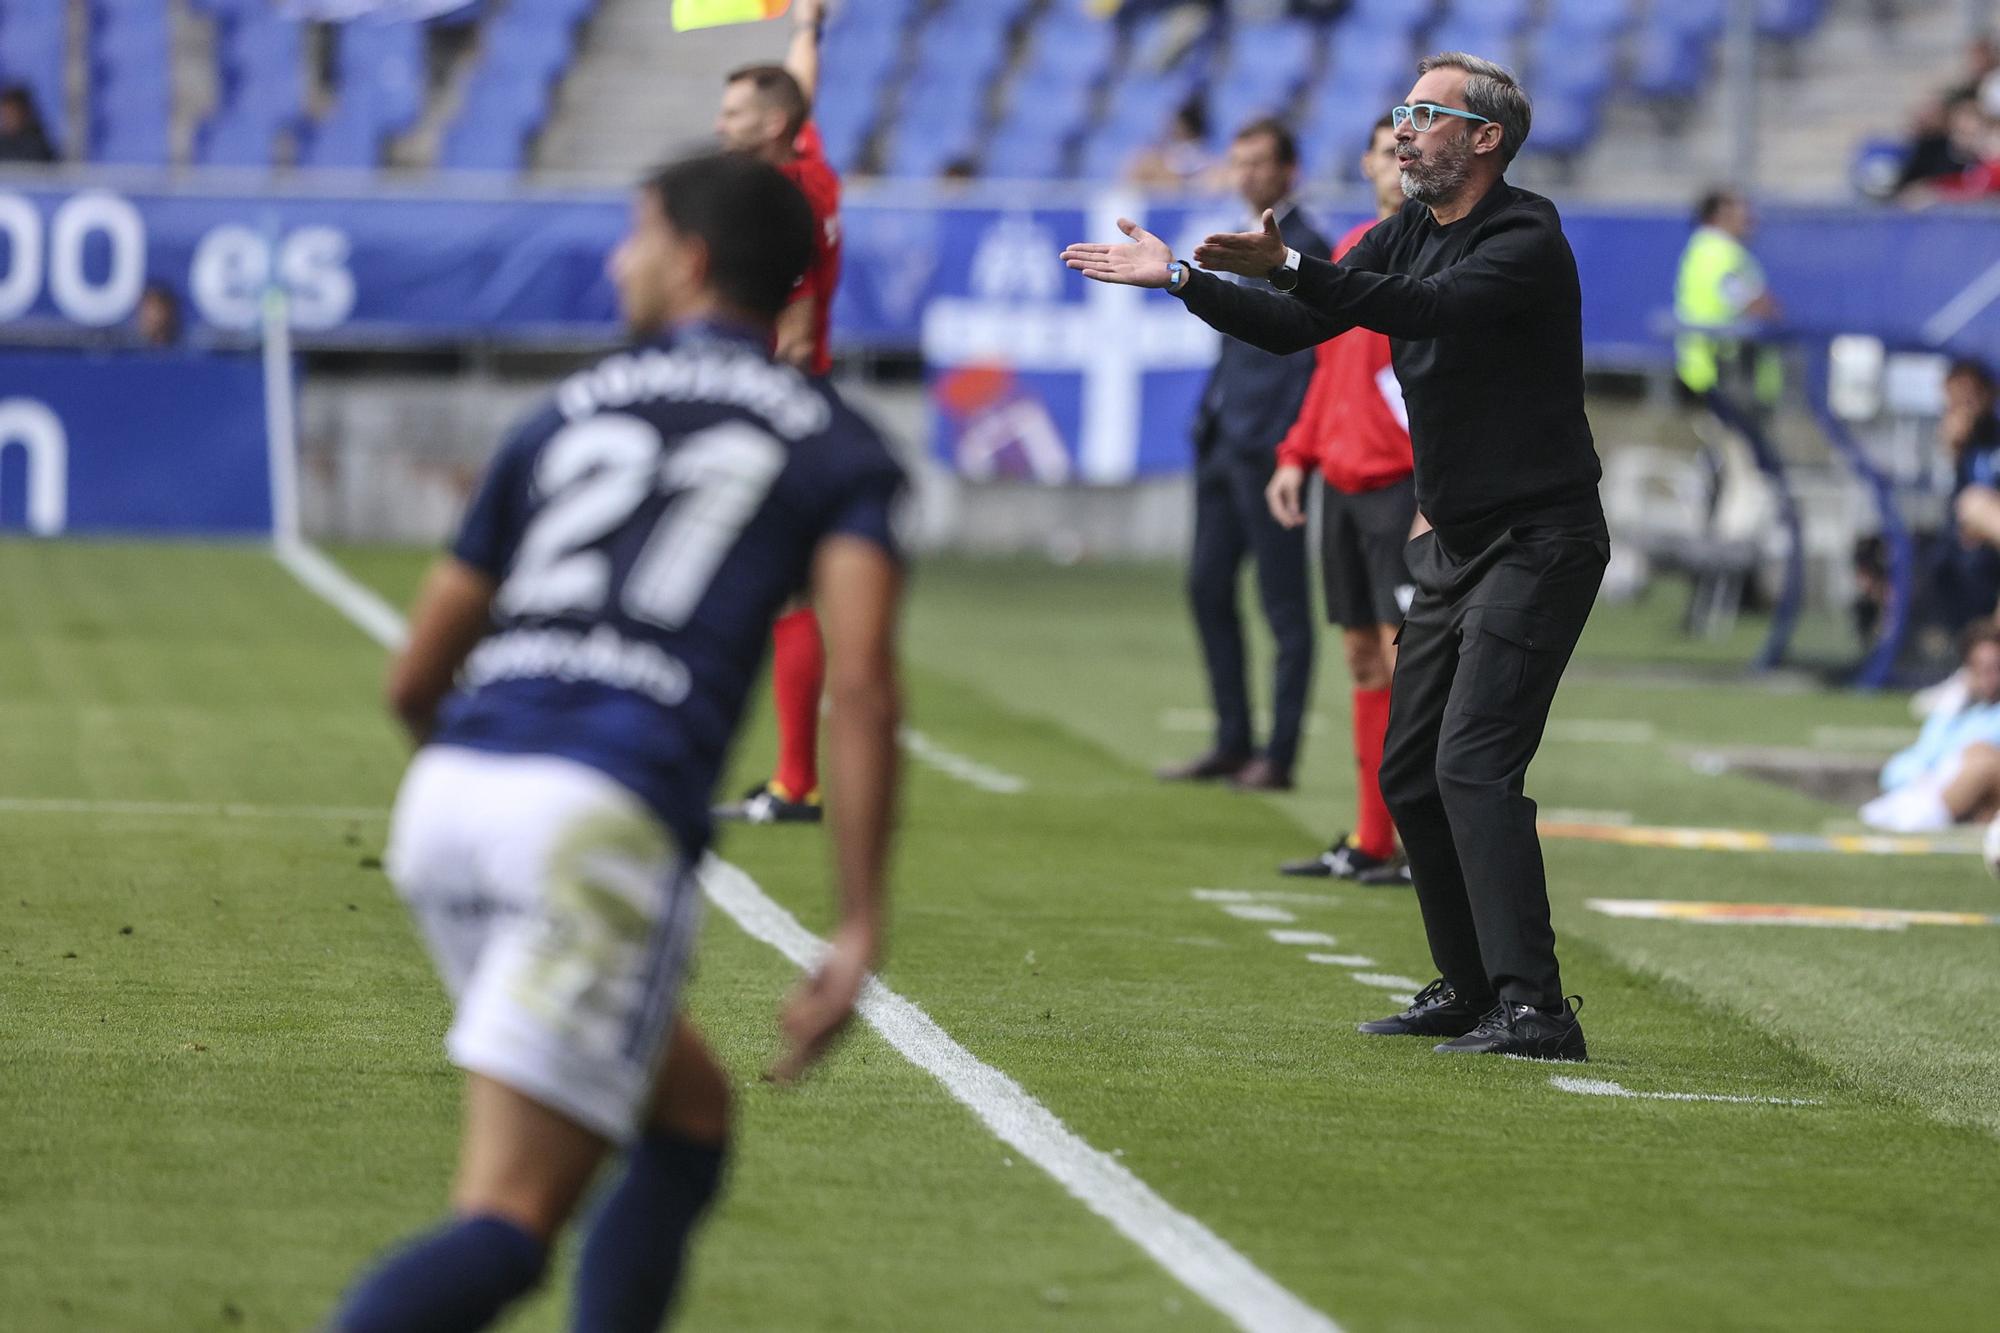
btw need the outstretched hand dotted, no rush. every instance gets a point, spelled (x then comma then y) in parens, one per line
(1251, 253)
(1142, 263)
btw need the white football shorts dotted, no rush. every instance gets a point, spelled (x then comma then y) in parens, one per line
(561, 915)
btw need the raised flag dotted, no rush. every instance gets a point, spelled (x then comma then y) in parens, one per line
(689, 14)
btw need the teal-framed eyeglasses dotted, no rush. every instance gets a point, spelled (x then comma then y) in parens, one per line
(1420, 116)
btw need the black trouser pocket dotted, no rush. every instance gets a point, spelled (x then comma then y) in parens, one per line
(1498, 654)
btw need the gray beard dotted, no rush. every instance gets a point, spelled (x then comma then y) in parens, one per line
(1435, 180)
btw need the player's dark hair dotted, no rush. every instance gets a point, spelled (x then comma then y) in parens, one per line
(1388, 122)
(775, 84)
(1283, 142)
(757, 226)
(1974, 369)
(1712, 203)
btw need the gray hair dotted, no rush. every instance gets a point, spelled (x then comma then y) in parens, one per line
(1492, 91)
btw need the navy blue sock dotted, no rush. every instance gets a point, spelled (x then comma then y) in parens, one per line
(457, 1279)
(632, 1257)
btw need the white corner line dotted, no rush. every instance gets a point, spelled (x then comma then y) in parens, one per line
(1604, 1087)
(1191, 1254)
(1341, 959)
(1388, 981)
(953, 765)
(342, 591)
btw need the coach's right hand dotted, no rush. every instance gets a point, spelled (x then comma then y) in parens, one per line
(1282, 495)
(1143, 263)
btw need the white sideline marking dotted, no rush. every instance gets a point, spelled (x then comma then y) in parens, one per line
(1388, 981)
(342, 591)
(1862, 738)
(1318, 937)
(1192, 1255)
(1195, 1256)
(1257, 912)
(1604, 1087)
(25, 805)
(969, 771)
(1341, 959)
(1262, 896)
(1569, 815)
(1602, 731)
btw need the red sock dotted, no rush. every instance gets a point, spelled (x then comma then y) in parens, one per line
(1373, 829)
(798, 670)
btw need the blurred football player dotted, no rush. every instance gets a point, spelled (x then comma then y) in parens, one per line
(766, 112)
(577, 666)
(1353, 427)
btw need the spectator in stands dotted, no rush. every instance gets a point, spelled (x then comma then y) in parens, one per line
(1952, 774)
(1968, 572)
(157, 322)
(1949, 131)
(1721, 287)
(1975, 136)
(22, 136)
(1183, 161)
(1251, 399)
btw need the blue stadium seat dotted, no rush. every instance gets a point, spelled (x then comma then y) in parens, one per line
(1702, 19)
(1049, 100)
(1667, 63)
(1788, 20)
(1565, 122)
(130, 60)
(1082, 47)
(1571, 62)
(845, 113)
(1508, 15)
(1280, 53)
(1400, 18)
(32, 47)
(1598, 18)
(1475, 37)
(381, 94)
(1025, 154)
(262, 78)
(1372, 58)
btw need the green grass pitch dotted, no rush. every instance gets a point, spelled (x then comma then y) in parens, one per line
(222, 1087)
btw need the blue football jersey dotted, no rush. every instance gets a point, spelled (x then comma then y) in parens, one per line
(643, 529)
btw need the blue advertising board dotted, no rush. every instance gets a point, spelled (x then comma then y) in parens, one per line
(132, 443)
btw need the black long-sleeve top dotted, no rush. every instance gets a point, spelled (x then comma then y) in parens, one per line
(1485, 325)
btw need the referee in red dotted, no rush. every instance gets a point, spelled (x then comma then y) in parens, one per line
(1476, 287)
(1355, 431)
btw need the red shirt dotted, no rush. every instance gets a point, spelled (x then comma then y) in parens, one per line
(815, 177)
(1352, 423)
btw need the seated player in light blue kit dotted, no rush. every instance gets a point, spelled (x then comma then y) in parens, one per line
(576, 670)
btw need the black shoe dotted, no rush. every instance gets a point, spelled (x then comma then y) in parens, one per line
(1512, 1028)
(768, 803)
(1389, 875)
(1435, 1012)
(1260, 774)
(1343, 860)
(1204, 768)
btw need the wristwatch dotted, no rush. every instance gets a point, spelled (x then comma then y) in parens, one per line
(1177, 275)
(1286, 275)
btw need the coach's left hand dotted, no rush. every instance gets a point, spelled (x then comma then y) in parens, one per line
(1252, 253)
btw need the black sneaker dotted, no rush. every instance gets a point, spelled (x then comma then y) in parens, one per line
(1389, 875)
(1343, 860)
(1511, 1028)
(768, 803)
(1436, 1011)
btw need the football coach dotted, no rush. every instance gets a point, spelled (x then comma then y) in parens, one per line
(1476, 287)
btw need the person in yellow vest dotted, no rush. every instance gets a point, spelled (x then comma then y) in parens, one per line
(1722, 287)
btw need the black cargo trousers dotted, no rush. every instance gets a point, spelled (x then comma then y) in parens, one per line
(1481, 653)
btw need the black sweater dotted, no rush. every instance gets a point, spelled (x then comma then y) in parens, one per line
(1485, 322)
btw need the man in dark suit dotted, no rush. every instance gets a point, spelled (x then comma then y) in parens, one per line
(1251, 399)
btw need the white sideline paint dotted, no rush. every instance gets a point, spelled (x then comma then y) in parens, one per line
(1341, 959)
(969, 771)
(342, 591)
(23, 805)
(1314, 937)
(1191, 1254)
(1571, 815)
(1195, 1256)
(1262, 896)
(1604, 1087)
(1862, 738)
(1389, 981)
(1257, 912)
(1602, 731)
